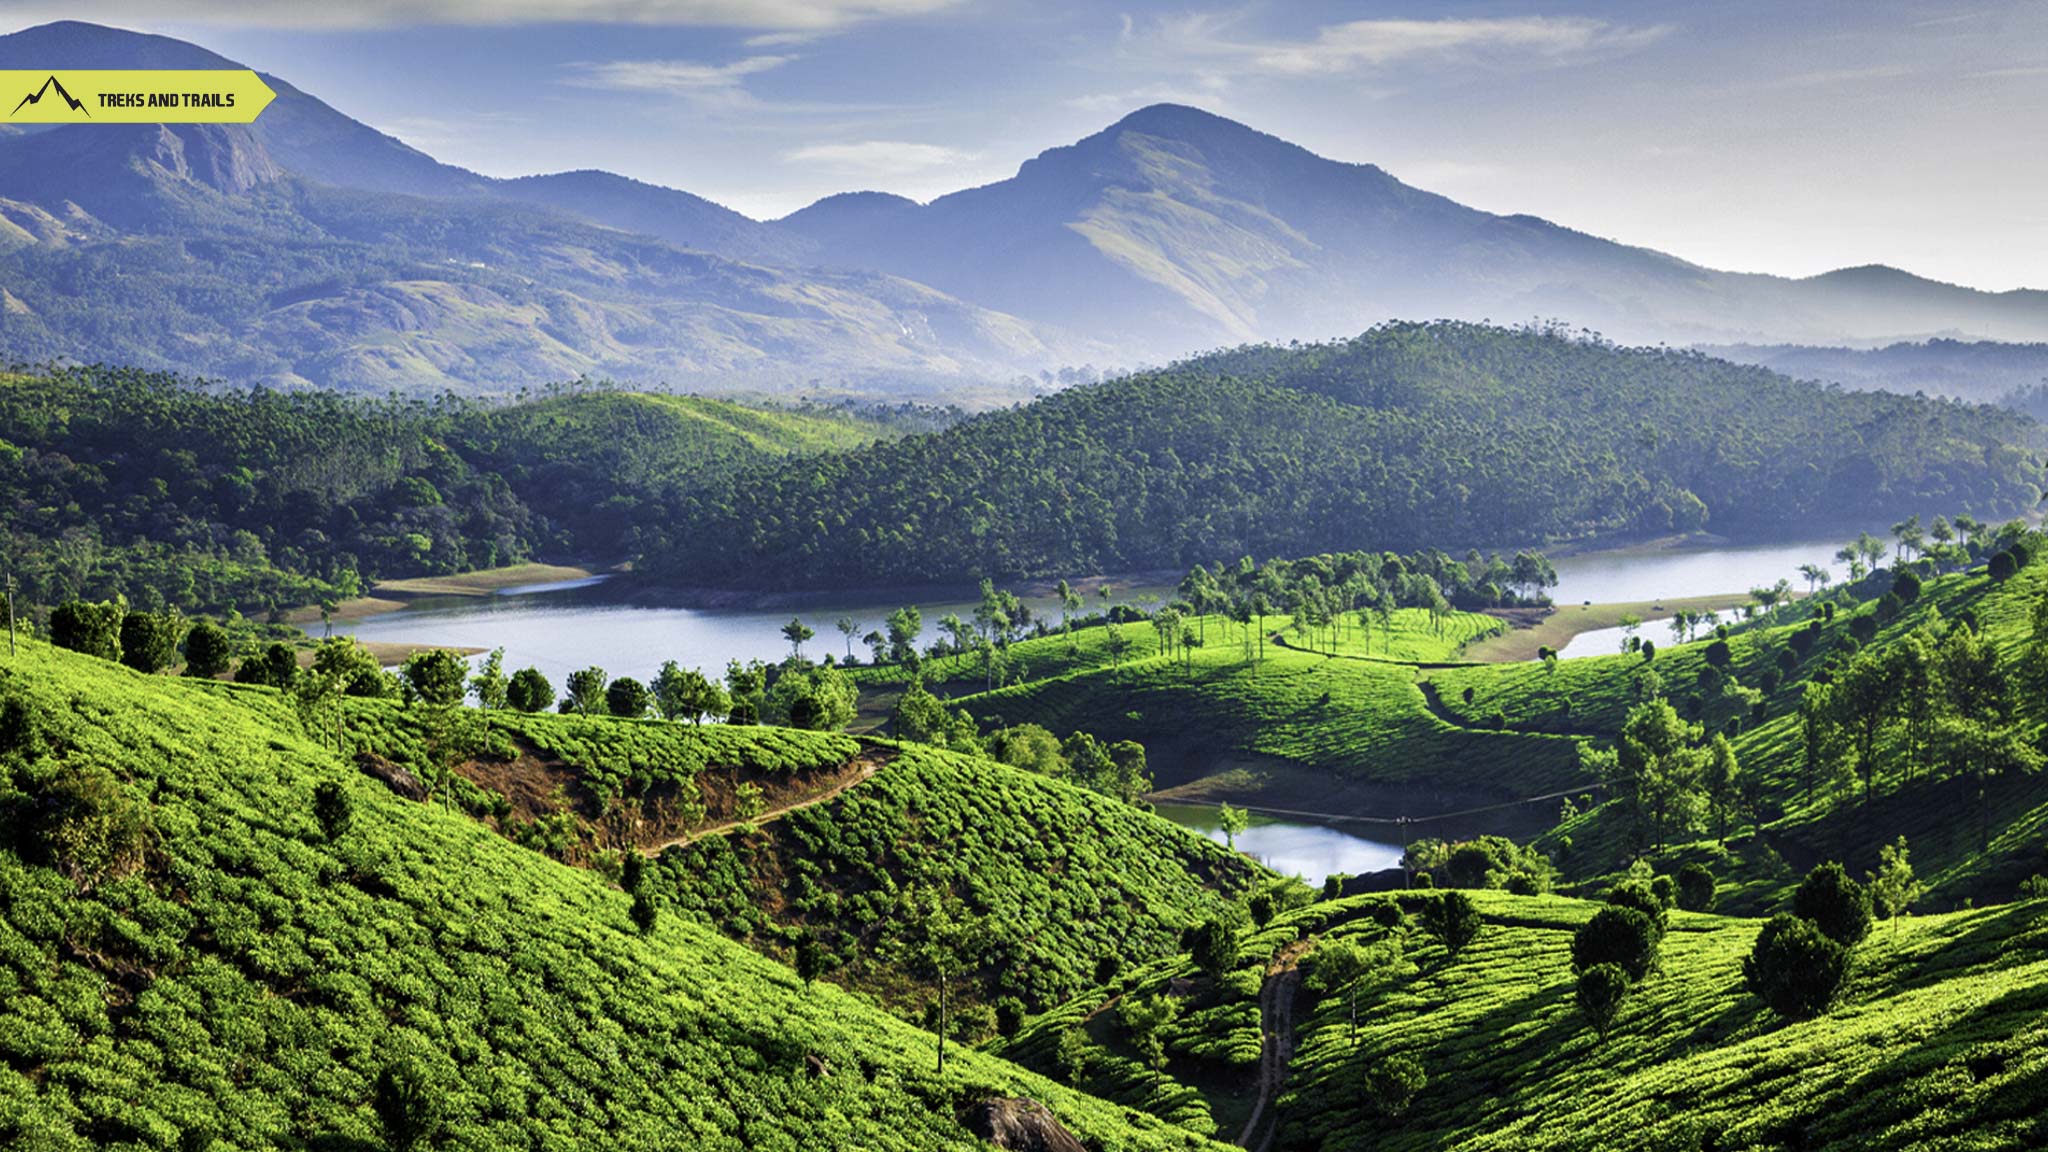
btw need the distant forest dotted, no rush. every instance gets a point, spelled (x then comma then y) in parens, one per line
(1409, 436)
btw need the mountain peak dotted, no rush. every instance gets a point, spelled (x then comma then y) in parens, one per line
(76, 44)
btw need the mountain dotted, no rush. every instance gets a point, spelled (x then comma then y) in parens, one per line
(1178, 229)
(311, 249)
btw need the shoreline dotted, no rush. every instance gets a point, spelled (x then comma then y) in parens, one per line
(1531, 629)
(387, 596)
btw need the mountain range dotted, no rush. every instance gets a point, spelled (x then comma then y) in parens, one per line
(310, 248)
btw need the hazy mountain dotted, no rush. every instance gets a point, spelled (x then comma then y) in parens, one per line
(1980, 370)
(309, 248)
(1188, 229)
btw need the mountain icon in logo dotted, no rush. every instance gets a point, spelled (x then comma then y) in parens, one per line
(36, 97)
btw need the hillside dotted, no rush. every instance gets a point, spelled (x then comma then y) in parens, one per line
(1938, 1039)
(1411, 435)
(189, 957)
(181, 494)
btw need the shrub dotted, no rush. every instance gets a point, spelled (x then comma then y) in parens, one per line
(1639, 896)
(1386, 914)
(645, 912)
(1453, 919)
(2003, 567)
(406, 1114)
(1696, 888)
(1213, 944)
(276, 667)
(1392, 1082)
(1835, 903)
(1718, 653)
(1665, 890)
(1795, 967)
(1601, 990)
(86, 826)
(1625, 938)
(1261, 908)
(1906, 587)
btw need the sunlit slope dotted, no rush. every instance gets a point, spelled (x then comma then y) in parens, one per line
(240, 978)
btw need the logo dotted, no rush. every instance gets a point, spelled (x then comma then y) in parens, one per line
(36, 97)
(134, 96)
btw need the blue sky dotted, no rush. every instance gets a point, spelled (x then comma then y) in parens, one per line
(1772, 137)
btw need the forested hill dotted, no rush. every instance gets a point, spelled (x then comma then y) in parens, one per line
(180, 494)
(1409, 435)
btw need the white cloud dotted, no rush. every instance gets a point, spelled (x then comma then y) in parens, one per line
(1212, 42)
(790, 15)
(722, 84)
(879, 157)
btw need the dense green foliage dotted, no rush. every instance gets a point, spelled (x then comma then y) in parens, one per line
(200, 498)
(1410, 435)
(192, 952)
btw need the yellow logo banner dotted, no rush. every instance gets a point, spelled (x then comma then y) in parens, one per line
(133, 96)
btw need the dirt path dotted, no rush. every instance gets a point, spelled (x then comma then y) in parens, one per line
(1276, 1029)
(869, 762)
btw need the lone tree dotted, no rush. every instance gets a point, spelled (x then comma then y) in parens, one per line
(810, 959)
(796, 632)
(208, 651)
(586, 692)
(1233, 821)
(1616, 937)
(1344, 966)
(406, 1113)
(1601, 989)
(941, 940)
(1391, 1082)
(1795, 967)
(530, 691)
(1454, 920)
(1835, 903)
(1696, 888)
(436, 677)
(333, 809)
(1893, 888)
(489, 685)
(1145, 1018)
(1214, 946)
(644, 911)
(627, 698)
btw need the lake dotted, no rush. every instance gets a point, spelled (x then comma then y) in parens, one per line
(559, 628)
(1290, 847)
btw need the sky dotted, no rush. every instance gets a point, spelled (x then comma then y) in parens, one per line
(1788, 138)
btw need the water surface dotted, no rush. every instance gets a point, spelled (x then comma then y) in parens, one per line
(1292, 847)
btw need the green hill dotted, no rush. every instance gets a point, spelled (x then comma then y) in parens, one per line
(187, 957)
(1938, 1040)
(1412, 435)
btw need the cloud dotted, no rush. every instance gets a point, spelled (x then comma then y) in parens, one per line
(721, 84)
(1214, 43)
(879, 157)
(785, 15)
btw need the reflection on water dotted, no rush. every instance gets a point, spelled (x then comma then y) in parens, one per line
(1310, 851)
(1631, 575)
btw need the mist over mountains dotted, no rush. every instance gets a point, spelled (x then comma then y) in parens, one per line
(309, 248)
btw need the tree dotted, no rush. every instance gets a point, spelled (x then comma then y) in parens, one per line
(1696, 888)
(1133, 775)
(488, 684)
(687, 693)
(277, 666)
(940, 940)
(208, 650)
(1656, 768)
(586, 688)
(796, 632)
(149, 640)
(1392, 1082)
(745, 686)
(436, 677)
(1145, 1020)
(529, 691)
(1795, 968)
(1213, 944)
(644, 911)
(815, 697)
(1454, 920)
(1893, 888)
(1601, 990)
(904, 625)
(94, 629)
(627, 698)
(332, 809)
(810, 958)
(849, 628)
(344, 662)
(1723, 782)
(405, 1108)
(1343, 966)
(1835, 903)
(1232, 821)
(1073, 1054)
(1622, 937)
(1820, 736)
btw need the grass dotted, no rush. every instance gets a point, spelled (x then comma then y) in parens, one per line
(1556, 629)
(250, 981)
